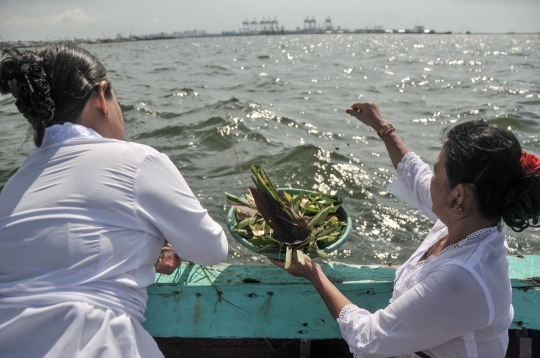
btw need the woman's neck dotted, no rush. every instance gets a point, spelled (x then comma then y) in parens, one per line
(463, 227)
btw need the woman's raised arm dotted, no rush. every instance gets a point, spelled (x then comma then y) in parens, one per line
(411, 186)
(369, 114)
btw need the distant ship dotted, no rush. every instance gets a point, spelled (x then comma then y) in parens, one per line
(419, 29)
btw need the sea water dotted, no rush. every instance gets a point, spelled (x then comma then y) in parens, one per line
(286, 97)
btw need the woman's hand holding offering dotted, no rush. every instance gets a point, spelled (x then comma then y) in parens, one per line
(308, 270)
(334, 300)
(168, 260)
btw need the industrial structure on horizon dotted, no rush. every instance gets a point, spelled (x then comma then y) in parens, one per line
(266, 26)
(269, 27)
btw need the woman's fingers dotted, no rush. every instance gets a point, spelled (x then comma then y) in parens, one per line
(366, 108)
(296, 268)
(352, 111)
(368, 113)
(355, 109)
(281, 263)
(167, 262)
(278, 263)
(292, 269)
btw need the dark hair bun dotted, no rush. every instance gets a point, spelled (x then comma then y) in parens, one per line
(52, 83)
(521, 206)
(32, 92)
(22, 75)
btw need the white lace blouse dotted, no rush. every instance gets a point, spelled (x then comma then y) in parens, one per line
(82, 223)
(455, 304)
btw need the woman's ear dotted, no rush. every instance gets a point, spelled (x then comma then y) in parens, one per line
(100, 101)
(463, 195)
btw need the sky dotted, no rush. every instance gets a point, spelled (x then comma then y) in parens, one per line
(66, 19)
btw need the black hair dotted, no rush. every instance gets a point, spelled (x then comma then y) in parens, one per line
(488, 157)
(51, 83)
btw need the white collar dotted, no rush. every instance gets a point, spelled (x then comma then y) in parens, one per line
(61, 132)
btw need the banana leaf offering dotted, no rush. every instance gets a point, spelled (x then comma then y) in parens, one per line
(280, 221)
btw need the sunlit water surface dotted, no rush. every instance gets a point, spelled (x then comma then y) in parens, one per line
(286, 96)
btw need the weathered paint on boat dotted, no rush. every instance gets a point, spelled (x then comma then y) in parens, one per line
(525, 277)
(265, 301)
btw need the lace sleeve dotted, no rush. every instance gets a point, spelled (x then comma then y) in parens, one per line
(350, 319)
(411, 183)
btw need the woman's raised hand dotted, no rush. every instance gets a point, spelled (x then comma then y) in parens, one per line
(367, 113)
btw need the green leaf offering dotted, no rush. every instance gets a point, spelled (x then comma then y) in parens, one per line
(280, 222)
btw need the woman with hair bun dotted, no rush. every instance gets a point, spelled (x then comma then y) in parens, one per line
(85, 217)
(452, 297)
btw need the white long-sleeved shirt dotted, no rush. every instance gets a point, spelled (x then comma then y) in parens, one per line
(82, 223)
(455, 304)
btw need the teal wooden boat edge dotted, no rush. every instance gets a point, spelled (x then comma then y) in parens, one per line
(264, 301)
(525, 277)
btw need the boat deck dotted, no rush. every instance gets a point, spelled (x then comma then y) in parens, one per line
(249, 308)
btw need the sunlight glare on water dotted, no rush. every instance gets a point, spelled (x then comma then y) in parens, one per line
(286, 97)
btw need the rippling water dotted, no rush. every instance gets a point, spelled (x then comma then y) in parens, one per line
(286, 97)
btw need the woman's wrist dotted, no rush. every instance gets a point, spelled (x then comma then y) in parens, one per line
(314, 273)
(380, 125)
(385, 130)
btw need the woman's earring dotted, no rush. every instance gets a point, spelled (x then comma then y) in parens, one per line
(454, 205)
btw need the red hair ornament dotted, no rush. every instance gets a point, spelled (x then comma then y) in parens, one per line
(530, 163)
